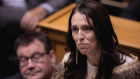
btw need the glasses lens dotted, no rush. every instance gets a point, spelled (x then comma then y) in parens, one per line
(37, 57)
(23, 61)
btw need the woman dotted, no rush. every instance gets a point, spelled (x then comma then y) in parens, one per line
(93, 47)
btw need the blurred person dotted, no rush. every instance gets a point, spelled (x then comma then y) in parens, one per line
(92, 47)
(36, 57)
(16, 17)
(28, 12)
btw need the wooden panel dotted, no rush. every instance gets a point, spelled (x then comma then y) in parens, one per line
(60, 51)
(128, 31)
(58, 42)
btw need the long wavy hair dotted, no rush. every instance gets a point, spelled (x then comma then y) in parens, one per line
(106, 39)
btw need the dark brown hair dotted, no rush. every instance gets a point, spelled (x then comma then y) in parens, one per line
(106, 39)
(29, 37)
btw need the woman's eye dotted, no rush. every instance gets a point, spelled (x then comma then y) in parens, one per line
(88, 28)
(74, 30)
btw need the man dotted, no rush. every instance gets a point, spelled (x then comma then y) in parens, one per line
(17, 16)
(36, 57)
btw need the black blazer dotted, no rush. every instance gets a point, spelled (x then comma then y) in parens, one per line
(16, 76)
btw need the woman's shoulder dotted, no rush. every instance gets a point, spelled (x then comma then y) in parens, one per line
(129, 70)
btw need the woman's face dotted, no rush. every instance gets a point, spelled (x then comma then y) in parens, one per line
(83, 34)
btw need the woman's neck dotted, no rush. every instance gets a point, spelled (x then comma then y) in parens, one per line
(93, 58)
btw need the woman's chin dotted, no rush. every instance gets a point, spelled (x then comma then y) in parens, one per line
(83, 51)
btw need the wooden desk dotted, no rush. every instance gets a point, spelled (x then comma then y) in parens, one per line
(56, 27)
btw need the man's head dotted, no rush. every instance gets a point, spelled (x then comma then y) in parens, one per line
(35, 54)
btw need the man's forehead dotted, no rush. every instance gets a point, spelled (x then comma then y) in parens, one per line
(35, 46)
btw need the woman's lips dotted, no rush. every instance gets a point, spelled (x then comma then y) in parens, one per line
(82, 45)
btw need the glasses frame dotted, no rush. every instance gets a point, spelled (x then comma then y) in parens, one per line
(32, 57)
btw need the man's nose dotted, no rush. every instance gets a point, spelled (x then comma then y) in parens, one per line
(31, 64)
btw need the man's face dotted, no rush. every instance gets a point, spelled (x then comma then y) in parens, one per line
(34, 63)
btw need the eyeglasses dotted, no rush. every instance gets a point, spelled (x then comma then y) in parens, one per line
(36, 58)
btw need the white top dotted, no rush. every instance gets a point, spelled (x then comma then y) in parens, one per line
(91, 68)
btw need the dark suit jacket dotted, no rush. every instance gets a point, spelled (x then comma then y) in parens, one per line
(16, 76)
(56, 4)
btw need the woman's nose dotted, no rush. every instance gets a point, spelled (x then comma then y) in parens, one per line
(81, 35)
